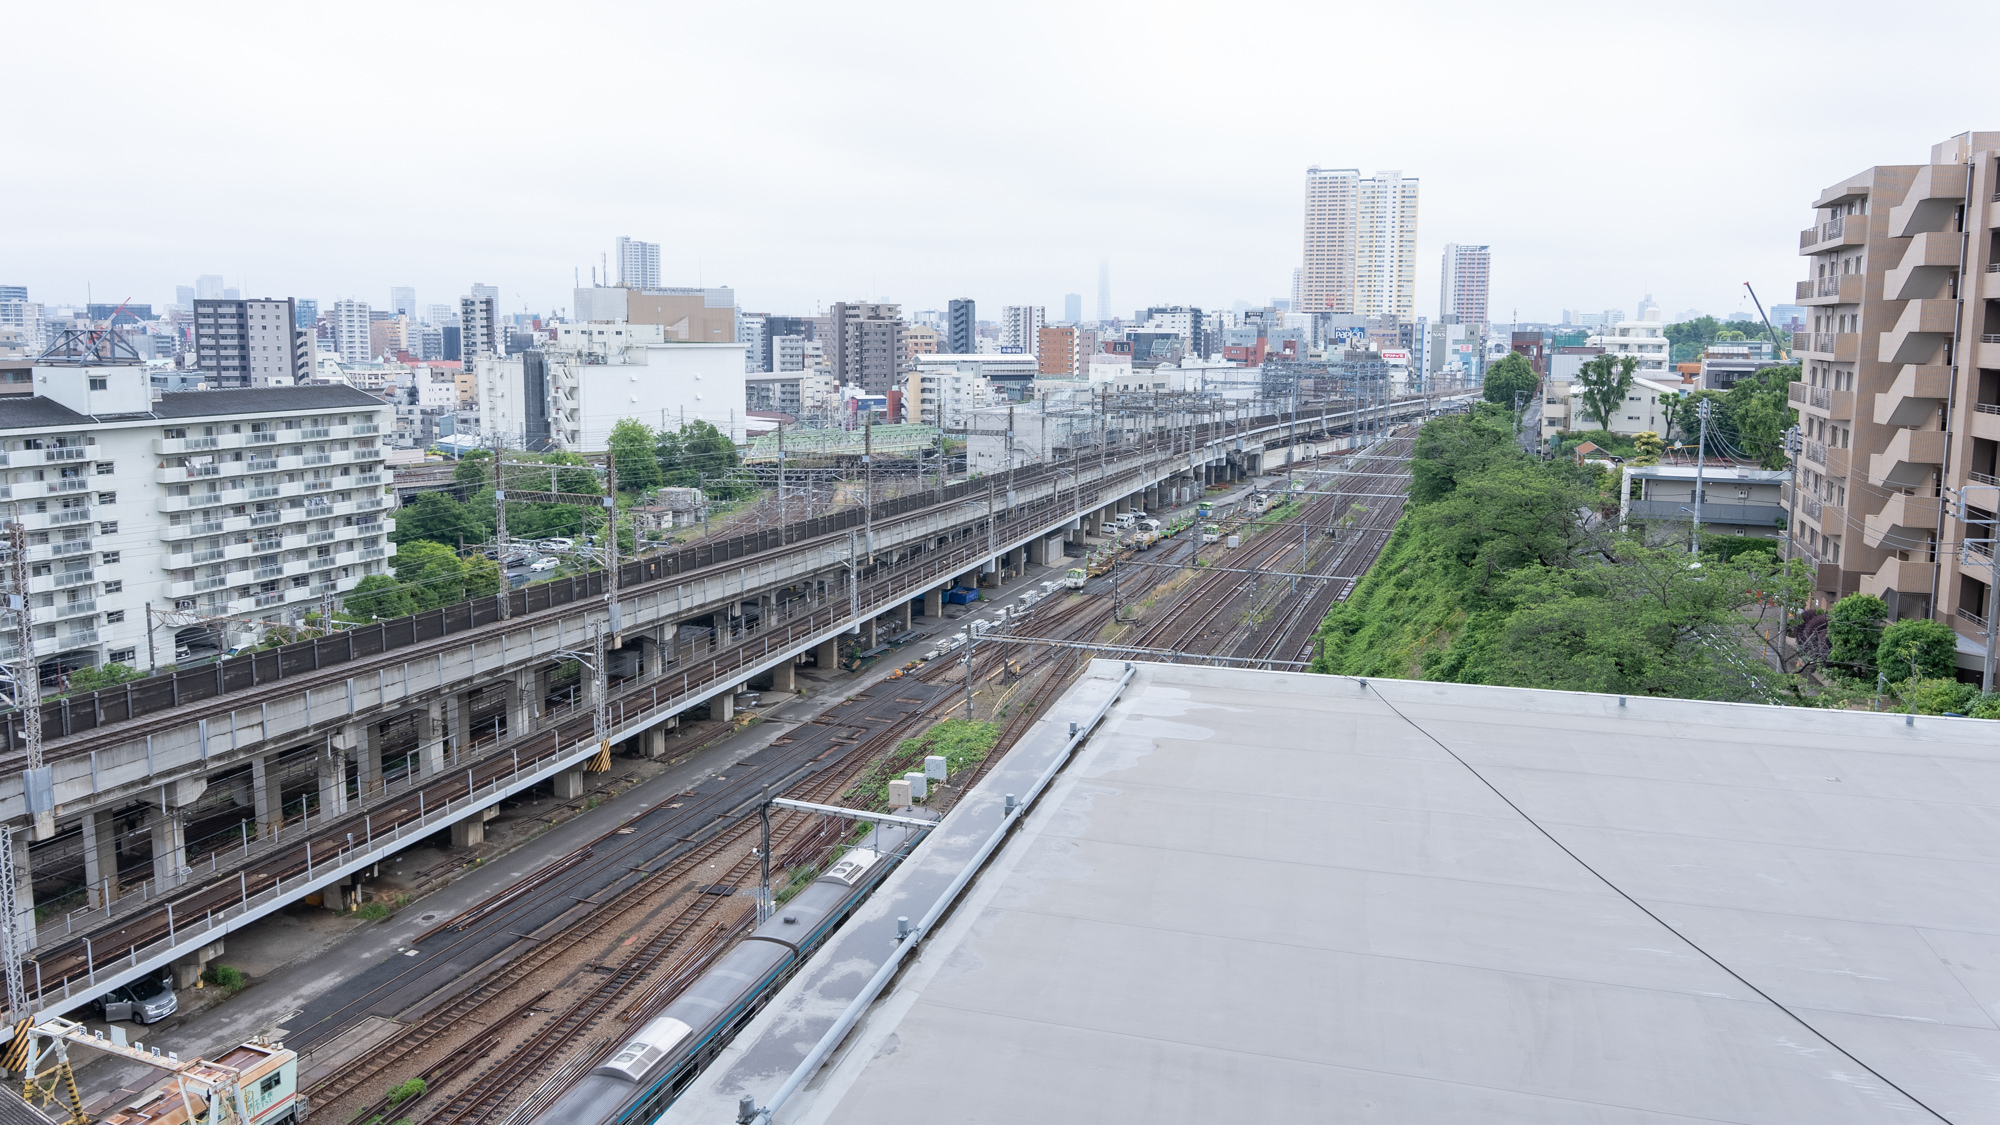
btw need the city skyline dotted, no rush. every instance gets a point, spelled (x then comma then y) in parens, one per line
(884, 223)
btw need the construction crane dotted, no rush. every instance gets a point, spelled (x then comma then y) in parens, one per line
(1783, 357)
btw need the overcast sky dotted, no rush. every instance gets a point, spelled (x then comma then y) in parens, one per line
(808, 153)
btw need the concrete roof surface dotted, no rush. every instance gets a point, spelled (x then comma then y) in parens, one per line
(1278, 896)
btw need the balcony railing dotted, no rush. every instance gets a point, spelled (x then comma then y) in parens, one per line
(316, 459)
(266, 573)
(75, 578)
(320, 537)
(1989, 338)
(1975, 618)
(1816, 451)
(1829, 286)
(69, 547)
(273, 597)
(367, 428)
(75, 609)
(70, 515)
(262, 437)
(1804, 290)
(1808, 238)
(69, 484)
(318, 432)
(77, 638)
(1822, 341)
(1986, 407)
(211, 582)
(373, 553)
(1830, 230)
(265, 519)
(321, 563)
(318, 485)
(1984, 478)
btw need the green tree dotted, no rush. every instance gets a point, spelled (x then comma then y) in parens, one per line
(1510, 380)
(1605, 380)
(475, 468)
(481, 575)
(1759, 411)
(378, 597)
(632, 446)
(1917, 649)
(431, 573)
(1647, 447)
(436, 517)
(1456, 446)
(1854, 634)
(1510, 516)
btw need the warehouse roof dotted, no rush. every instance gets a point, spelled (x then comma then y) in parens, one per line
(1280, 896)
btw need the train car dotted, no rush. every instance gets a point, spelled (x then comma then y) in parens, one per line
(1211, 532)
(1075, 577)
(650, 1069)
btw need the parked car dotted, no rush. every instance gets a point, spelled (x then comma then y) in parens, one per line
(540, 565)
(557, 544)
(143, 1001)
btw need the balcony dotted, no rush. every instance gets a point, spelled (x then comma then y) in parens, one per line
(1905, 523)
(268, 599)
(68, 578)
(67, 549)
(1986, 421)
(1914, 398)
(1910, 458)
(75, 638)
(1838, 346)
(1833, 289)
(67, 484)
(311, 434)
(1923, 329)
(67, 453)
(62, 610)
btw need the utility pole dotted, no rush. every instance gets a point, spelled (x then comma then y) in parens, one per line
(1990, 524)
(152, 658)
(37, 784)
(1700, 464)
(868, 483)
(10, 928)
(611, 546)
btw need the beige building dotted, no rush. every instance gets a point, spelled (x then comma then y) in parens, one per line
(1360, 243)
(920, 339)
(695, 315)
(1899, 395)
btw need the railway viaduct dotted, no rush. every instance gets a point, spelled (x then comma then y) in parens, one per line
(320, 759)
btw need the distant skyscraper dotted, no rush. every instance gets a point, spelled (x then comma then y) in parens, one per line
(306, 311)
(638, 263)
(208, 287)
(1360, 243)
(1021, 329)
(441, 315)
(13, 292)
(1073, 308)
(1462, 285)
(754, 333)
(350, 331)
(962, 328)
(487, 292)
(1103, 290)
(403, 299)
(1298, 280)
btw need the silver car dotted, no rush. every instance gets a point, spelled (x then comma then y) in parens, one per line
(143, 1001)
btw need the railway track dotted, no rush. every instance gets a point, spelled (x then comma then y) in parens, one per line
(542, 1064)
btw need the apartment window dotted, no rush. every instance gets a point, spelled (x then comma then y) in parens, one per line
(99, 383)
(108, 527)
(116, 615)
(107, 498)
(110, 557)
(104, 468)
(123, 655)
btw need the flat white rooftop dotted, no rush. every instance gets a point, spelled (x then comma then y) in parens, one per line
(1285, 897)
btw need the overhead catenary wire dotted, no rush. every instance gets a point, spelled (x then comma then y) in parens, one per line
(1640, 906)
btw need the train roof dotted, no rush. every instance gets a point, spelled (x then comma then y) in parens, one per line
(1283, 896)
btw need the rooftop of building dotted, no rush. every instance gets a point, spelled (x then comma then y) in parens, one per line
(20, 412)
(1280, 896)
(1711, 471)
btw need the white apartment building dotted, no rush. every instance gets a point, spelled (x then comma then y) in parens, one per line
(1463, 283)
(938, 394)
(1021, 329)
(788, 353)
(251, 505)
(569, 394)
(351, 340)
(638, 263)
(1385, 246)
(1644, 409)
(478, 326)
(1646, 339)
(753, 332)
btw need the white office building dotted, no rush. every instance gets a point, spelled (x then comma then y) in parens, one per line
(568, 395)
(788, 353)
(638, 263)
(1021, 329)
(222, 509)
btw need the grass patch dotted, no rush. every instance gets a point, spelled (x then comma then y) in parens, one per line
(229, 978)
(963, 742)
(378, 910)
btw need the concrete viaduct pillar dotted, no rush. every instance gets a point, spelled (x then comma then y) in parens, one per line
(783, 678)
(828, 655)
(100, 856)
(934, 602)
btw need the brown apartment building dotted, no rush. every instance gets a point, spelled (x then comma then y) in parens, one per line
(1899, 390)
(1065, 352)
